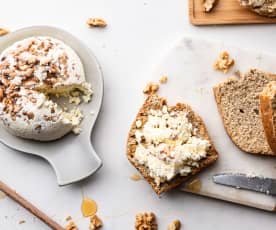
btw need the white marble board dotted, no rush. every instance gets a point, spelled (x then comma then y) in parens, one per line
(189, 66)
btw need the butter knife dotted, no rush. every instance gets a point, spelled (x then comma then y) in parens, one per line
(243, 181)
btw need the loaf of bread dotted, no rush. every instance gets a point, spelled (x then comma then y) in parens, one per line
(262, 7)
(239, 105)
(168, 145)
(268, 113)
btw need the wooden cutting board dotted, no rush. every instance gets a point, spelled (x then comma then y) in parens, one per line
(189, 66)
(225, 12)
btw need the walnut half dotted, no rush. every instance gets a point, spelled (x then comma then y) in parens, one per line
(175, 225)
(145, 221)
(95, 222)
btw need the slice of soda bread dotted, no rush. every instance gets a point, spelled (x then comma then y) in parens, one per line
(262, 7)
(268, 113)
(168, 145)
(239, 106)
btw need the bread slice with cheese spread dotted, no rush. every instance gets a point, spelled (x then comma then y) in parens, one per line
(268, 113)
(168, 145)
(238, 103)
(262, 7)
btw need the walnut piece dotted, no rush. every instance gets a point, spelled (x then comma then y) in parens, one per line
(95, 222)
(3, 31)
(209, 5)
(151, 88)
(175, 225)
(224, 62)
(163, 79)
(71, 226)
(96, 22)
(145, 221)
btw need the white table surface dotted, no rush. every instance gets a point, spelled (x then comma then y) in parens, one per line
(137, 34)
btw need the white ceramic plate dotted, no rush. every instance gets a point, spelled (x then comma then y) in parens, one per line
(72, 157)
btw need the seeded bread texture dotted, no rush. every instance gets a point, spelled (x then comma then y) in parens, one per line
(155, 102)
(262, 7)
(268, 113)
(239, 106)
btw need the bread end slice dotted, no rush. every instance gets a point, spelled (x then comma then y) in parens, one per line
(268, 113)
(155, 102)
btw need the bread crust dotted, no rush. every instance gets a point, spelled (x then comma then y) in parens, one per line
(155, 102)
(216, 90)
(267, 113)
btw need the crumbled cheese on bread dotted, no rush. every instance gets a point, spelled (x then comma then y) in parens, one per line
(167, 146)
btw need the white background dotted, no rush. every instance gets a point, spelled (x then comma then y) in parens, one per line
(137, 33)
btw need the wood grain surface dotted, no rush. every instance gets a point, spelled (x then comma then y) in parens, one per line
(225, 12)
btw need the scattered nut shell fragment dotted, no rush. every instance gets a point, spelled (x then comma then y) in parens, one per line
(150, 88)
(96, 22)
(3, 31)
(209, 5)
(163, 79)
(175, 225)
(95, 222)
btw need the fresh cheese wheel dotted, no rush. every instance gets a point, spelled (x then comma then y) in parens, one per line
(30, 71)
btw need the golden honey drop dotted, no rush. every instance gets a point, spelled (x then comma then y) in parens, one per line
(88, 207)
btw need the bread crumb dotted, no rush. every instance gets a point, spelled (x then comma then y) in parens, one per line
(95, 222)
(163, 79)
(145, 221)
(135, 177)
(22, 222)
(209, 5)
(175, 225)
(3, 31)
(71, 226)
(150, 88)
(68, 218)
(224, 62)
(96, 22)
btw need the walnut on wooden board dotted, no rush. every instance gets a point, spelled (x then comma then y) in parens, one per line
(209, 5)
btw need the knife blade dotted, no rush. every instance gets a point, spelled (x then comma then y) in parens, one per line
(243, 181)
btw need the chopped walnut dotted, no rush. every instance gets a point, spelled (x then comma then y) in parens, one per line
(96, 22)
(95, 222)
(1, 94)
(209, 5)
(175, 225)
(224, 62)
(135, 177)
(163, 79)
(3, 31)
(151, 88)
(71, 226)
(145, 221)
